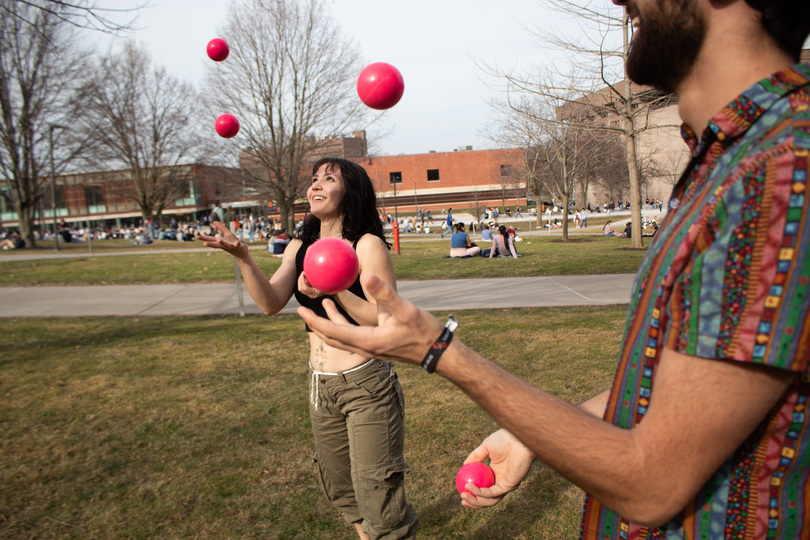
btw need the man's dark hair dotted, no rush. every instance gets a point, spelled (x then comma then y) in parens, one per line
(786, 21)
(358, 207)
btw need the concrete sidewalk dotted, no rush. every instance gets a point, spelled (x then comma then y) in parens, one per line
(434, 295)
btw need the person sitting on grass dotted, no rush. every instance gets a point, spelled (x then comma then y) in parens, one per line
(14, 241)
(461, 245)
(280, 243)
(503, 244)
(607, 230)
(628, 229)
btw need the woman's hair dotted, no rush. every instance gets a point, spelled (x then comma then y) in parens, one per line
(786, 21)
(502, 230)
(358, 208)
(459, 227)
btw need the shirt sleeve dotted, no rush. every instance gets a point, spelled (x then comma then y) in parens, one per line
(744, 294)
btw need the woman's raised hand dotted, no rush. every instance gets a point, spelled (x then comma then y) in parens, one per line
(227, 242)
(306, 288)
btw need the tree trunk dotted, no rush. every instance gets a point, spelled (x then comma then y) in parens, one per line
(630, 140)
(26, 220)
(286, 214)
(636, 241)
(565, 201)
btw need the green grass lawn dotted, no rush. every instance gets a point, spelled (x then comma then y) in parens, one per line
(418, 260)
(198, 427)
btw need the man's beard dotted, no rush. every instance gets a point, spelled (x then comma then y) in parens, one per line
(667, 44)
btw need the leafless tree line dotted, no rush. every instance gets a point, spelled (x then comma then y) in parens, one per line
(289, 79)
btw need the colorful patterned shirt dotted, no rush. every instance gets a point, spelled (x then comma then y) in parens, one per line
(726, 277)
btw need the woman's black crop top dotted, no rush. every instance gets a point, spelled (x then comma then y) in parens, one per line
(316, 304)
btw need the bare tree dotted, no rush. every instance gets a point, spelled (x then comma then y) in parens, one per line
(39, 67)
(557, 151)
(290, 81)
(665, 165)
(511, 128)
(78, 13)
(607, 167)
(143, 120)
(596, 96)
(509, 178)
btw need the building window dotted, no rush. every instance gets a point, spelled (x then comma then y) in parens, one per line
(7, 212)
(506, 170)
(433, 175)
(95, 199)
(395, 177)
(186, 194)
(47, 202)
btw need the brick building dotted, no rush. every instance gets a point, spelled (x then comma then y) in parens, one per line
(465, 178)
(659, 146)
(99, 197)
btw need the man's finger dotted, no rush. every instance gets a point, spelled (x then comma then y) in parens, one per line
(333, 313)
(221, 227)
(387, 299)
(479, 455)
(342, 336)
(471, 501)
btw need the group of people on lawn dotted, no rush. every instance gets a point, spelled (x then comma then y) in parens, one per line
(503, 243)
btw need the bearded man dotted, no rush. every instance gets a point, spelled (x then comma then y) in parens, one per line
(705, 431)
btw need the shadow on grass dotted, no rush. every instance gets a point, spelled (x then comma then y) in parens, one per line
(534, 504)
(575, 240)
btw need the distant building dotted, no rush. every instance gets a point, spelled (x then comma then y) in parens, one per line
(660, 148)
(433, 181)
(100, 197)
(465, 178)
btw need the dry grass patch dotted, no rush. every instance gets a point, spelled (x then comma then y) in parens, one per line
(198, 427)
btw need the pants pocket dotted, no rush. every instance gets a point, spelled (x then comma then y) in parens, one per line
(383, 505)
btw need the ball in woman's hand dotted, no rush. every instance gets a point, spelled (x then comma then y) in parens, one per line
(331, 265)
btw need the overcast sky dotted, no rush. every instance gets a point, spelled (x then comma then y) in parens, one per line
(434, 43)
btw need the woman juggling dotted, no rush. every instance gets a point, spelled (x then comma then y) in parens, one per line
(356, 403)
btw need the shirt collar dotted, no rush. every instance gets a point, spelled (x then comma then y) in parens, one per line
(734, 120)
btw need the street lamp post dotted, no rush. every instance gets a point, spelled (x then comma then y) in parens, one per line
(53, 187)
(396, 209)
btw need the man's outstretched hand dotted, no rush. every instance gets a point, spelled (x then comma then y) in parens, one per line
(403, 332)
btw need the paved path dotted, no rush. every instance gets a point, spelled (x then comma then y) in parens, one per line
(163, 300)
(434, 295)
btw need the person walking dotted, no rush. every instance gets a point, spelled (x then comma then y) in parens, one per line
(448, 222)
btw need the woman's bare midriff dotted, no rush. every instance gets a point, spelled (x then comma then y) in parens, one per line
(323, 357)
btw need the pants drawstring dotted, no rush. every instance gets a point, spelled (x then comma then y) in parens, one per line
(315, 392)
